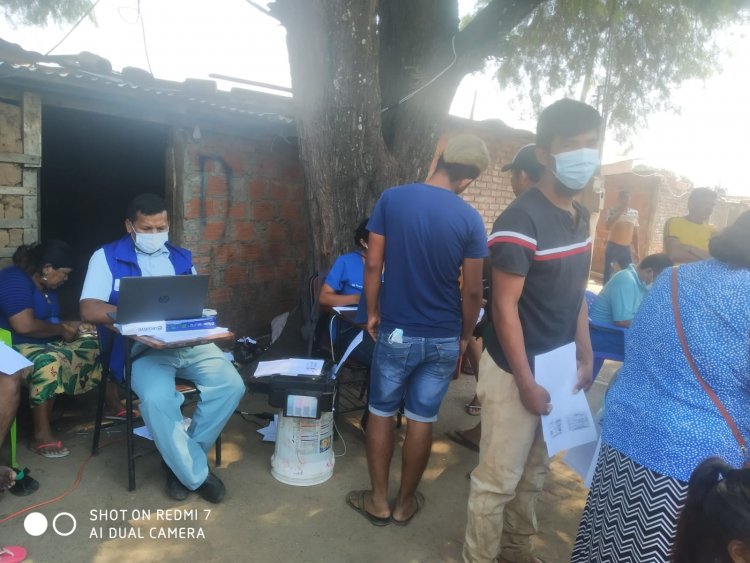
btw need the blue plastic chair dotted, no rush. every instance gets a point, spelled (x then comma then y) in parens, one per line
(600, 355)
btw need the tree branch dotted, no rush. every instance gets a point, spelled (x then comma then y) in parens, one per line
(479, 39)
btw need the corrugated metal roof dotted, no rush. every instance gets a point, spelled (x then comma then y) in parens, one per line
(137, 85)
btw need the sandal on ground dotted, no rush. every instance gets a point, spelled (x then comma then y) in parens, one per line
(356, 500)
(473, 410)
(12, 554)
(43, 450)
(122, 415)
(419, 501)
(458, 438)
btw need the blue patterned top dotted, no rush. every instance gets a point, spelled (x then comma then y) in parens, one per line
(657, 413)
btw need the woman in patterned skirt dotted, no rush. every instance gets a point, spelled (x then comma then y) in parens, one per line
(660, 424)
(64, 361)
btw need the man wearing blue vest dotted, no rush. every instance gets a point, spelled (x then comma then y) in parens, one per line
(144, 251)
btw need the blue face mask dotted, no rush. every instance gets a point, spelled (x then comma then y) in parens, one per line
(575, 168)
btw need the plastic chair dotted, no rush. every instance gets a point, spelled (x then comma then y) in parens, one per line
(6, 338)
(601, 355)
(106, 339)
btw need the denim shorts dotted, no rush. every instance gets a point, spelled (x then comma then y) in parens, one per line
(417, 370)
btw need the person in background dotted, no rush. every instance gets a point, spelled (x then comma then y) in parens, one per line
(714, 525)
(344, 283)
(526, 173)
(661, 421)
(620, 299)
(622, 224)
(64, 360)
(686, 238)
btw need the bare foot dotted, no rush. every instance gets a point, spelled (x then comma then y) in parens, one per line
(50, 448)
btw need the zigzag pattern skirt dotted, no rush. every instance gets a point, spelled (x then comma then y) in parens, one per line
(631, 513)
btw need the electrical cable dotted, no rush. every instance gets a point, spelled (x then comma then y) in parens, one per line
(433, 79)
(143, 36)
(72, 29)
(336, 428)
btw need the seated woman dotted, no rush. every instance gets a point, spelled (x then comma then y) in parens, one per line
(63, 361)
(344, 286)
(661, 422)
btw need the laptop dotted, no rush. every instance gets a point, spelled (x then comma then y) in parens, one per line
(160, 298)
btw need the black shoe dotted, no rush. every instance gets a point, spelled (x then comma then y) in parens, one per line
(175, 489)
(212, 489)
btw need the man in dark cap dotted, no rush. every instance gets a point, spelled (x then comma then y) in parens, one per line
(526, 170)
(425, 235)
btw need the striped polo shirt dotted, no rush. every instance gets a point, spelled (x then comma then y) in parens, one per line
(552, 250)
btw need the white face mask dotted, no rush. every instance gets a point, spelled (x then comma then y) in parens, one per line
(575, 168)
(149, 243)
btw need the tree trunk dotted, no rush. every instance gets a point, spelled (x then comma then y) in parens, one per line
(352, 62)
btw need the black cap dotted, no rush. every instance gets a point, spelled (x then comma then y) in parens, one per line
(525, 159)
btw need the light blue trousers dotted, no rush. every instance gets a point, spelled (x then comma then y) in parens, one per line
(221, 389)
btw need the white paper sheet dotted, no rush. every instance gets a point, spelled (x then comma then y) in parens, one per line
(269, 432)
(356, 341)
(180, 335)
(345, 308)
(582, 459)
(144, 432)
(290, 366)
(570, 423)
(11, 361)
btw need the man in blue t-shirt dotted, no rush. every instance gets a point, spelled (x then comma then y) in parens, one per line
(424, 235)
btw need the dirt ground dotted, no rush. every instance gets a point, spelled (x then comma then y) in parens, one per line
(262, 519)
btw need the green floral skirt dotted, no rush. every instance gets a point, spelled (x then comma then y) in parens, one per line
(61, 367)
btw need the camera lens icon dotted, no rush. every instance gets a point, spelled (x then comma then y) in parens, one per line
(64, 524)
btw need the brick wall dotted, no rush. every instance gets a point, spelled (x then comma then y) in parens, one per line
(242, 212)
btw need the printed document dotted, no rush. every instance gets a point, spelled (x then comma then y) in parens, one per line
(570, 423)
(290, 366)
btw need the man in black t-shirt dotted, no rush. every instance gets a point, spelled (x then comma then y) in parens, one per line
(540, 251)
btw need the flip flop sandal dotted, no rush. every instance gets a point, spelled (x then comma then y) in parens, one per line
(360, 507)
(25, 485)
(12, 554)
(41, 450)
(420, 500)
(473, 410)
(122, 415)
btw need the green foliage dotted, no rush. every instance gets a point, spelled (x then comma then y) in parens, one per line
(649, 46)
(41, 12)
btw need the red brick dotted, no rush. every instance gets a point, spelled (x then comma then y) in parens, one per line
(236, 161)
(291, 211)
(236, 276)
(300, 232)
(267, 168)
(226, 253)
(263, 211)
(220, 295)
(237, 210)
(193, 208)
(243, 231)
(278, 191)
(263, 274)
(258, 189)
(250, 251)
(214, 230)
(214, 209)
(277, 232)
(217, 186)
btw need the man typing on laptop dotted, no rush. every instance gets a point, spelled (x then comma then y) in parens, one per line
(145, 251)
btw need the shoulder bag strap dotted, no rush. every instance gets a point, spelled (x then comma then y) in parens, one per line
(710, 392)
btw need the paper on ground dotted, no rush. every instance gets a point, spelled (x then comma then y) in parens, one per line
(290, 366)
(570, 423)
(269, 432)
(11, 361)
(356, 341)
(144, 432)
(180, 335)
(582, 459)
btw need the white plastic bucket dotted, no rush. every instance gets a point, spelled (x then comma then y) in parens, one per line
(304, 450)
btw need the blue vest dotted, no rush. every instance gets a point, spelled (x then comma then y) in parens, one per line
(122, 262)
